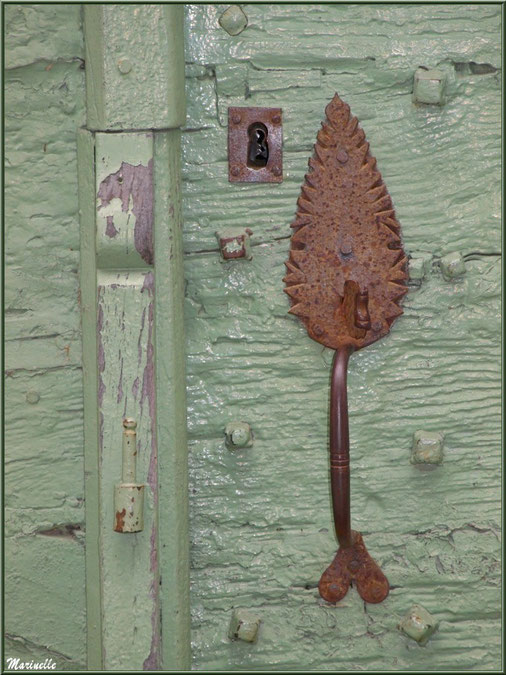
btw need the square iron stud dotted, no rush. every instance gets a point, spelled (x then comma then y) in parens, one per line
(419, 265)
(427, 447)
(452, 265)
(233, 20)
(429, 86)
(235, 243)
(241, 125)
(244, 626)
(419, 624)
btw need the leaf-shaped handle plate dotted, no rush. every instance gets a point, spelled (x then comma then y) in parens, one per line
(347, 270)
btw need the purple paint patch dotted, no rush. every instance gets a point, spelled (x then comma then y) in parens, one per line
(139, 341)
(110, 230)
(136, 183)
(149, 284)
(135, 387)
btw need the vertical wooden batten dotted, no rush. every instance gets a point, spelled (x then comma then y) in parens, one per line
(132, 314)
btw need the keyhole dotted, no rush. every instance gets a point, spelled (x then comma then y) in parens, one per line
(258, 150)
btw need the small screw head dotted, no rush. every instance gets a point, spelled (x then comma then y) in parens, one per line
(377, 326)
(342, 155)
(124, 66)
(236, 118)
(238, 435)
(276, 170)
(32, 397)
(346, 248)
(235, 171)
(276, 119)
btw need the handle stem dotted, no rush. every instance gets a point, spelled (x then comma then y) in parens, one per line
(340, 447)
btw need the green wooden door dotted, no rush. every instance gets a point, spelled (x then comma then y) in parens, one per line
(261, 529)
(97, 92)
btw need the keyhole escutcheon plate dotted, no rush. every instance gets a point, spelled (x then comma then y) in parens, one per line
(262, 164)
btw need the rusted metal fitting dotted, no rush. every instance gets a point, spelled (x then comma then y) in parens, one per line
(244, 626)
(418, 624)
(129, 495)
(346, 277)
(235, 243)
(255, 139)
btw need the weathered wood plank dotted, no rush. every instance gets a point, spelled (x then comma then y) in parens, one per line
(44, 499)
(124, 322)
(129, 562)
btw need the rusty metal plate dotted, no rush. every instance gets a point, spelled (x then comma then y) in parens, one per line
(242, 168)
(354, 564)
(346, 270)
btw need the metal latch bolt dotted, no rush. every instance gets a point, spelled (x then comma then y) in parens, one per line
(129, 495)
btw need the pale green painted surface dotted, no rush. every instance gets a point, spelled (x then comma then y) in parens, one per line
(44, 96)
(87, 281)
(173, 546)
(261, 531)
(135, 70)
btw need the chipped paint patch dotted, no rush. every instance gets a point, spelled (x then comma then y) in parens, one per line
(110, 230)
(126, 201)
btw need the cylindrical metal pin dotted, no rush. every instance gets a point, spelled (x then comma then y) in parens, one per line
(129, 495)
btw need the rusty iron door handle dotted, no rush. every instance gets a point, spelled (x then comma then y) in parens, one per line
(346, 278)
(340, 447)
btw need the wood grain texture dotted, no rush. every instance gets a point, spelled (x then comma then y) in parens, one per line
(261, 516)
(44, 547)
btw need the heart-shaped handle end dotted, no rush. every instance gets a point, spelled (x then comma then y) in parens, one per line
(354, 564)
